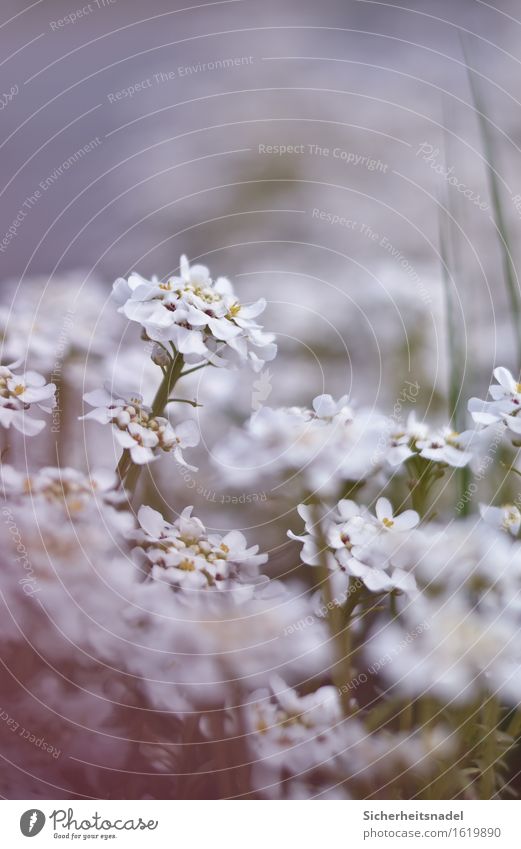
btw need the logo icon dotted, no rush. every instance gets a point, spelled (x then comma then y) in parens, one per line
(32, 822)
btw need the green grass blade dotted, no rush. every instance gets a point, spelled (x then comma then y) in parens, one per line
(509, 271)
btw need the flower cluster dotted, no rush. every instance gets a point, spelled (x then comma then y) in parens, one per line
(166, 619)
(137, 430)
(300, 742)
(417, 439)
(65, 572)
(354, 543)
(504, 407)
(71, 489)
(459, 637)
(184, 555)
(323, 446)
(20, 392)
(201, 318)
(194, 650)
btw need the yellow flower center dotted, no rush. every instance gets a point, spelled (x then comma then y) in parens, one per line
(387, 522)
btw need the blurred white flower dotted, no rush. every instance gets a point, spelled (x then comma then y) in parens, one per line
(403, 440)
(507, 517)
(202, 318)
(446, 446)
(70, 486)
(194, 650)
(459, 638)
(438, 446)
(51, 319)
(18, 392)
(307, 738)
(319, 447)
(184, 555)
(64, 572)
(137, 430)
(463, 654)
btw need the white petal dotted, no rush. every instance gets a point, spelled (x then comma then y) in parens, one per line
(188, 433)
(151, 521)
(141, 455)
(384, 509)
(504, 378)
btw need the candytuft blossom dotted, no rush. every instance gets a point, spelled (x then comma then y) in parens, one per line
(439, 446)
(506, 399)
(137, 430)
(359, 545)
(200, 317)
(506, 518)
(319, 446)
(20, 392)
(306, 738)
(184, 555)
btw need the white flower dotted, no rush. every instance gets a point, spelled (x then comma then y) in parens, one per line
(195, 649)
(52, 318)
(64, 578)
(403, 441)
(64, 489)
(459, 639)
(317, 448)
(18, 392)
(56, 484)
(450, 649)
(417, 439)
(395, 524)
(299, 738)
(446, 446)
(200, 317)
(360, 545)
(506, 395)
(507, 517)
(184, 555)
(505, 406)
(137, 430)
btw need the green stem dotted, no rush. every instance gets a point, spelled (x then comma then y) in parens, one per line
(420, 488)
(407, 717)
(183, 401)
(490, 713)
(195, 368)
(509, 271)
(172, 375)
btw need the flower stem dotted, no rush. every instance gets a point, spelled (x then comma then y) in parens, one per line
(490, 716)
(195, 368)
(183, 401)
(172, 375)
